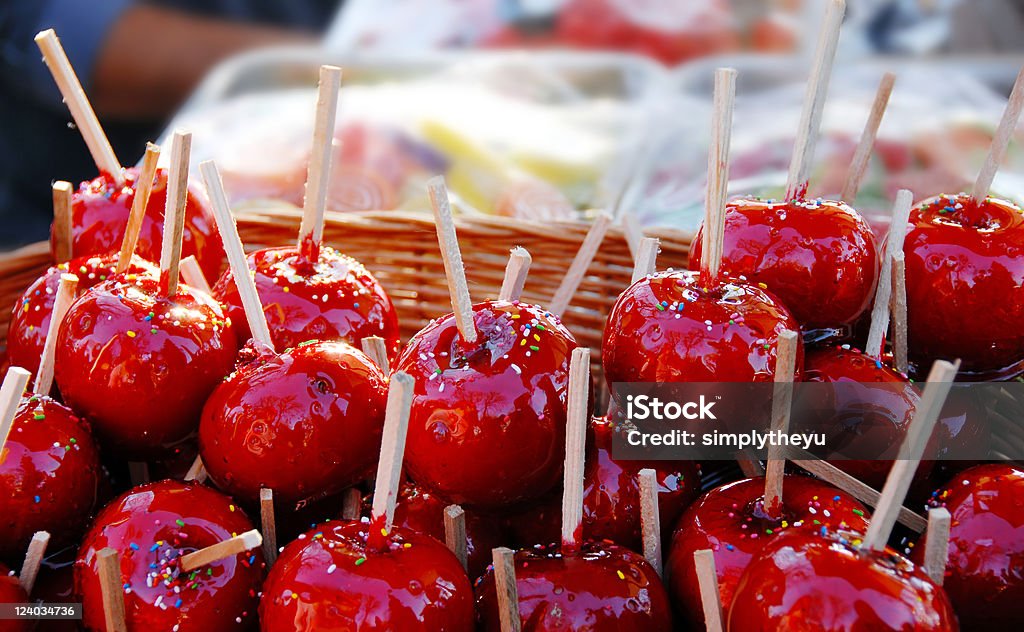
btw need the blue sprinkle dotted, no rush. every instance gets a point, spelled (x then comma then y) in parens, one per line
(37, 499)
(177, 604)
(824, 531)
(730, 547)
(835, 498)
(126, 586)
(134, 547)
(153, 548)
(355, 305)
(252, 559)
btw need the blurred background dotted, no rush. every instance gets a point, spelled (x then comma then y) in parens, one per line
(533, 109)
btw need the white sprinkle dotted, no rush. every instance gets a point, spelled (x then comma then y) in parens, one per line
(515, 367)
(331, 568)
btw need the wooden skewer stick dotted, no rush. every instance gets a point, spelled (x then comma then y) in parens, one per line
(518, 268)
(862, 155)
(578, 268)
(455, 533)
(236, 254)
(222, 550)
(143, 190)
(1000, 141)
(174, 211)
(505, 586)
(197, 473)
(645, 261)
(10, 398)
(707, 579)
(633, 232)
(898, 309)
(650, 518)
(936, 552)
(575, 446)
(940, 379)
(81, 110)
(377, 349)
(392, 450)
(111, 587)
(268, 525)
(62, 230)
(782, 403)
(718, 176)
(33, 558)
(351, 503)
(318, 176)
(193, 275)
(61, 302)
(814, 102)
(451, 255)
(880, 312)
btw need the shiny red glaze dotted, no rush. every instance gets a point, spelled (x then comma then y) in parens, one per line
(142, 379)
(293, 294)
(99, 214)
(985, 571)
(965, 284)
(818, 257)
(600, 588)
(176, 518)
(801, 582)
(488, 420)
(12, 592)
(730, 520)
(30, 319)
(328, 581)
(306, 423)
(49, 477)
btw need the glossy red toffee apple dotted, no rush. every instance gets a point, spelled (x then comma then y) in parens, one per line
(30, 318)
(984, 574)
(152, 527)
(732, 522)
(306, 423)
(12, 592)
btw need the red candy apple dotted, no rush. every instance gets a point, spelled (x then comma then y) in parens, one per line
(12, 592)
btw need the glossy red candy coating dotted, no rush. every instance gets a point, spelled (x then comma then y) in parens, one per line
(335, 299)
(49, 477)
(12, 592)
(965, 284)
(657, 332)
(99, 214)
(985, 571)
(306, 423)
(328, 580)
(818, 257)
(140, 366)
(600, 588)
(30, 319)
(803, 582)
(488, 420)
(155, 524)
(730, 520)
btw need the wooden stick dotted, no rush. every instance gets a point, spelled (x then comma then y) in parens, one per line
(111, 587)
(377, 349)
(143, 189)
(633, 232)
(455, 533)
(578, 268)
(10, 398)
(81, 110)
(650, 517)
(33, 559)
(645, 261)
(505, 587)
(862, 155)
(940, 379)
(268, 525)
(713, 238)
(222, 550)
(814, 102)
(518, 268)
(197, 473)
(61, 302)
(880, 312)
(236, 254)
(62, 221)
(318, 176)
(138, 472)
(1001, 140)
(392, 450)
(936, 552)
(193, 275)
(454, 271)
(898, 309)
(174, 211)
(782, 403)
(575, 446)
(707, 579)
(351, 503)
